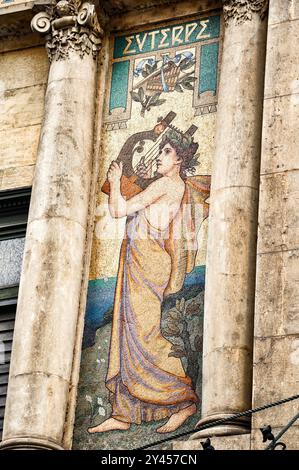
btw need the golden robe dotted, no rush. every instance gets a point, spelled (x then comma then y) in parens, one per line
(144, 381)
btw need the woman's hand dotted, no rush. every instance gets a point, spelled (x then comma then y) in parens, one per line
(115, 171)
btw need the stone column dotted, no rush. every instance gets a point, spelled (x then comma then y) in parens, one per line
(276, 342)
(48, 304)
(231, 255)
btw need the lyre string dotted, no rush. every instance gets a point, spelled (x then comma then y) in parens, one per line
(150, 156)
(147, 162)
(153, 148)
(143, 169)
(150, 151)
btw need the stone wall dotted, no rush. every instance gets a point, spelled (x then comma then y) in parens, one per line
(276, 343)
(23, 77)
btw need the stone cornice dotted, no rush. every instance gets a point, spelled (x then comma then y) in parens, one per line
(14, 29)
(240, 11)
(116, 7)
(69, 25)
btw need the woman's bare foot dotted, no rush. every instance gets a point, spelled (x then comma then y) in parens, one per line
(177, 419)
(110, 424)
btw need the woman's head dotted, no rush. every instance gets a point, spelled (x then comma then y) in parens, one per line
(178, 149)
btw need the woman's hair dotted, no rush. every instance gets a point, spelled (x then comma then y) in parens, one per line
(185, 148)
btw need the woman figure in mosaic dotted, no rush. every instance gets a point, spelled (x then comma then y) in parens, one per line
(144, 380)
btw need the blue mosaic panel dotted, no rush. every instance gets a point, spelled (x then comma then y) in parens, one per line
(119, 85)
(208, 67)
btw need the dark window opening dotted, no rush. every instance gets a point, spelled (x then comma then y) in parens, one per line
(8, 304)
(14, 207)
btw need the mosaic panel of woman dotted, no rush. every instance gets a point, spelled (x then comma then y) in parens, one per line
(145, 381)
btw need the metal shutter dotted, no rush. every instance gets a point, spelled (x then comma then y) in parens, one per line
(14, 206)
(7, 321)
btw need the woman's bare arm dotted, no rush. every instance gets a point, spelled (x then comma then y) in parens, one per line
(118, 206)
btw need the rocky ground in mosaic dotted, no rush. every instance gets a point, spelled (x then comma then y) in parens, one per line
(93, 406)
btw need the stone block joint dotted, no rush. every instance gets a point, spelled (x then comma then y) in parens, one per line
(69, 25)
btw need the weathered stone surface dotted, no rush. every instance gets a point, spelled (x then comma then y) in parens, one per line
(276, 344)
(37, 396)
(278, 212)
(233, 225)
(277, 296)
(282, 66)
(64, 139)
(241, 442)
(22, 107)
(50, 286)
(239, 129)
(23, 74)
(281, 117)
(24, 150)
(15, 43)
(176, 10)
(53, 257)
(20, 69)
(234, 383)
(113, 7)
(276, 376)
(290, 438)
(230, 276)
(64, 70)
(17, 177)
(280, 11)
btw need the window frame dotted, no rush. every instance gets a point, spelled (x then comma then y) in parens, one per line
(14, 209)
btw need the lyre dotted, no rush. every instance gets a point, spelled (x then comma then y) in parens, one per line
(136, 179)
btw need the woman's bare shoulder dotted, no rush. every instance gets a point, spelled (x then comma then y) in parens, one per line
(179, 184)
(173, 189)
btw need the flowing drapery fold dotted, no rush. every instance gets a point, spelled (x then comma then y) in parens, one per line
(144, 379)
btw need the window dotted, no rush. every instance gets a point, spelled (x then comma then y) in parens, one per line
(14, 206)
(8, 303)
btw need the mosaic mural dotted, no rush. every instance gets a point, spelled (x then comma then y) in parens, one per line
(141, 359)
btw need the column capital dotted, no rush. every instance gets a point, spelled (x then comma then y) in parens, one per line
(69, 25)
(242, 10)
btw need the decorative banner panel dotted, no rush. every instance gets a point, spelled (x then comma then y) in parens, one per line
(174, 59)
(141, 359)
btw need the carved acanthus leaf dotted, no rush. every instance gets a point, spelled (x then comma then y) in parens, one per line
(242, 10)
(69, 25)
